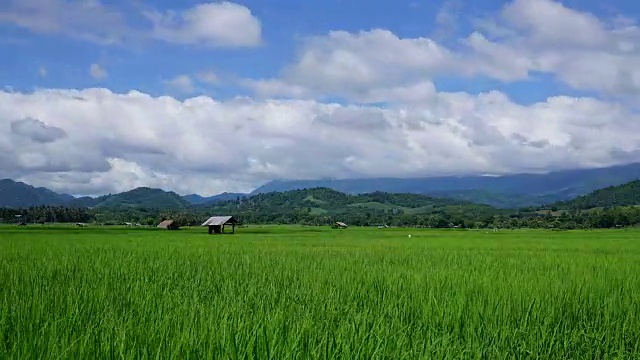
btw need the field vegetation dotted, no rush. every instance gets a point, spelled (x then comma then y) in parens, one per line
(275, 292)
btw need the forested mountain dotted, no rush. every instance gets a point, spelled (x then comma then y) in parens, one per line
(621, 195)
(508, 191)
(19, 194)
(197, 199)
(87, 201)
(145, 197)
(322, 205)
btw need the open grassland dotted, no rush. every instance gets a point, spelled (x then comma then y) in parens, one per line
(294, 292)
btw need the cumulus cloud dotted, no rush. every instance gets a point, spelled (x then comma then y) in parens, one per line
(547, 36)
(550, 23)
(90, 20)
(525, 38)
(118, 141)
(97, 72)
(211, 24)
(447, 18)
(357, 65)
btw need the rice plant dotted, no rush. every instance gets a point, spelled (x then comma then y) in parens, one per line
(292, 292)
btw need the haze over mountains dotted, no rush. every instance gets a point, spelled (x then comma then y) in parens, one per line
(500, 191)
(510, 191)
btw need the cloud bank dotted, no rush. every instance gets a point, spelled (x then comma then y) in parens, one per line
(391, 118)
(98, 141)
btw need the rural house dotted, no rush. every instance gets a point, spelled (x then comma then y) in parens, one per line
(169, 225)
(217, 224)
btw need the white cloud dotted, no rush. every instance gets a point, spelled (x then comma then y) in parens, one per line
(113, 142)
(549, 23)
(357, 65)
(211, 24)
(578, 48)
(525, 38)
(182, 83)
(94, 141)
(97, 72)
(42, 71)
(447, 18)
(88, 19)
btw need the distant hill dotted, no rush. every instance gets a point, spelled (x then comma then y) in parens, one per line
(315, 203)
(197, 199)
(508, 191)
(144, 197)
(621, 195)
(18, 194)
(87, 201)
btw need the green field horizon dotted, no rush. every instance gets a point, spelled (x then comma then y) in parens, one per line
(313, 292)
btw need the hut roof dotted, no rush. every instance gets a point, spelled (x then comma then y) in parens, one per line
(340, 223)
(165, 224)
(220, 220)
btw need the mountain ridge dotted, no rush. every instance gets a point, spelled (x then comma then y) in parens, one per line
(509, 191)
(196, 199)
(627, 194)
(19, 194)
(145, 198)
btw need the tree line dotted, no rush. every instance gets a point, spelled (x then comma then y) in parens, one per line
(621, 216)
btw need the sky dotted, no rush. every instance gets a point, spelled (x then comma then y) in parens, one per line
(204, 97)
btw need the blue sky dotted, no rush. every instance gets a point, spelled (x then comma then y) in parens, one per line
(146, 65)
(425, 87)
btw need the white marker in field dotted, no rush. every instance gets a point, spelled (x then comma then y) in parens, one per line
(409, 235)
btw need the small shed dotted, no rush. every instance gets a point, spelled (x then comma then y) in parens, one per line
(169, 225)
(339, 225)
(216, 224)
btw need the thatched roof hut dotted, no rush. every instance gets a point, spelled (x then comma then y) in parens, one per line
(169, 225)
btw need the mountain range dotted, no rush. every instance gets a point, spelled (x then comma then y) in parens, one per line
(622, 195)
(15, 194)
(225, 196)
(509, 191)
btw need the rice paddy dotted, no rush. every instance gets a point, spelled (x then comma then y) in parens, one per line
(310, 292)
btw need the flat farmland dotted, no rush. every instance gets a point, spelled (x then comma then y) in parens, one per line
(271, 292)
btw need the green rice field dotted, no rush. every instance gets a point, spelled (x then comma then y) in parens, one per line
(272, 292)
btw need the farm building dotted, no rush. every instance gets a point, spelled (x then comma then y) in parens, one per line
(169, 225)
(339, 225)
(216, 224)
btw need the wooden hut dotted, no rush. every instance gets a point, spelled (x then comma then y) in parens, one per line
(169, 225)
(216, 224)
